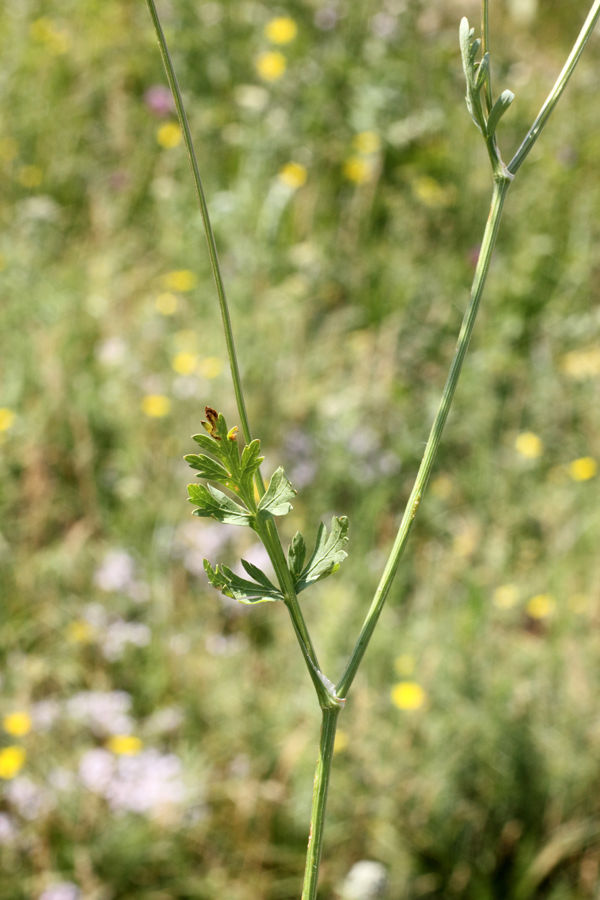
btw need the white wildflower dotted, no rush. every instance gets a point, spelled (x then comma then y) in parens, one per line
(8, 832)
(116, 571)
(65, 890)
(146, 784)
(103, 712)
(28, 798)
(366, 880)
(118, 634)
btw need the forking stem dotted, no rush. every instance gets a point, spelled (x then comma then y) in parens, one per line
(270, 534)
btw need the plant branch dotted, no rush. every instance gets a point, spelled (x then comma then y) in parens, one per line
(317, 820)
(269, 534)
(555, 94)
(501, 186)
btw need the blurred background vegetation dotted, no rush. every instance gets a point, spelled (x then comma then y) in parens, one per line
(158, 743)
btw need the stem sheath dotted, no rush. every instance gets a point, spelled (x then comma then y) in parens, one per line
(501, 186)
(317, 819)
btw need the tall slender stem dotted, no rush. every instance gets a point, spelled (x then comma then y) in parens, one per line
(485, 48)
(559, 86)
(501, 186)
(210, 238)
(270, 535)
(317, 819)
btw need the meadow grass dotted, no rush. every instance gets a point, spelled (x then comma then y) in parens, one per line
(347, 293)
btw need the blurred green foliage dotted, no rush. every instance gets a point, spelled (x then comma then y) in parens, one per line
(347, 274)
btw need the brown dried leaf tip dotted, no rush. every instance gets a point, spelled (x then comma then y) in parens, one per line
(211, 425)
(232, 433)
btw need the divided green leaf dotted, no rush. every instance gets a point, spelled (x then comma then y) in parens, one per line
(214, 504)
(328, 553)
(498, 110)
(230, 584)
(276, 500)
(207, 443)
(250, 463)
(209, 468)
(296, 555)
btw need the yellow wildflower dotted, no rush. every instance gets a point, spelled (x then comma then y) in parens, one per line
(506, 596)
(271, 65)
(529, 445)
(210, 367)
(281, 30)
(581, 364)
(367, 142)
(408, 695)
(541, 606)
(431, 193)
(12, 760)
(44, 31)
(7, 419)
(184, 363)
(30, 176)
(583, 469)
(18, 723)
(156, 405)
(404, 664)
(125, 745)
(293, 175)
(166, 304)
(181, 280)
(169, 135)
(9, 148)
(358, 170)
(80, 632)
(341, 741)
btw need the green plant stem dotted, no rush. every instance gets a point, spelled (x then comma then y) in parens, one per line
(286, 583)
(210, 238)
(485, 48)
(270, 536)
(555, 94)
(501, 186)
(317, 820)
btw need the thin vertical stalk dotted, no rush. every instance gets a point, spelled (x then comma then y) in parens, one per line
(485, 48)
(555, 94)
(317, 819)
(501, 186)
(270, 537)
(210, 238)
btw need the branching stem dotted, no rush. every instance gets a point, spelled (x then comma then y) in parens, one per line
(270, 536)
(503, 176)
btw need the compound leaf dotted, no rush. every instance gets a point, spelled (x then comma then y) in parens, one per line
(213, 503)
(498, 110)
(209, 468)
(250, 462)
(327, 555)
(276, 500)
(240, 589)
(207, 443)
